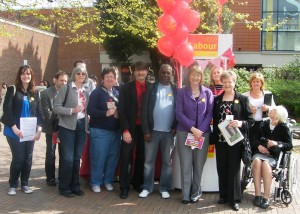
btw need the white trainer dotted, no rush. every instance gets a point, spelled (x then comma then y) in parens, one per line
(165, 195)
(96, 189)
(12, 191)
(144, 194)
(26, 189)
(109, 187)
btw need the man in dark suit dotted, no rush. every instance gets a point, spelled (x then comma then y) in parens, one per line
(47, 97)
(130, 102)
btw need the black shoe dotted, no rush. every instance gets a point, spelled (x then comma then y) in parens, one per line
(79, 192)
(51, 183)
(264, 203)
(124, 193)
(257, 201)
(137, 188)
(67, 194)
(194, 201)
(235, 206)
(185, 201)
(222, 201)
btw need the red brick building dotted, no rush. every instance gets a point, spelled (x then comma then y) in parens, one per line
(36, 47)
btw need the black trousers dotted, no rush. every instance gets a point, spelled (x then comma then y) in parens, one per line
(132, 170)
(228, 166)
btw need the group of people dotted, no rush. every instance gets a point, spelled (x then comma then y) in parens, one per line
(128, 123)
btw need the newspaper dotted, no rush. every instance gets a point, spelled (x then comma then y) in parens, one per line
(193, 143)
(231, 134)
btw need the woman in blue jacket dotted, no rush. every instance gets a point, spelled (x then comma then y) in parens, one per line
(21, 100)
(194, 111)
(105, 132)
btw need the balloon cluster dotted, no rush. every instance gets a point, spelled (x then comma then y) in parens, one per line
(175, 23)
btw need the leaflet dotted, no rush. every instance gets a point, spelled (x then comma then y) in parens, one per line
(28, 128)
(193, 143)
(231, 134)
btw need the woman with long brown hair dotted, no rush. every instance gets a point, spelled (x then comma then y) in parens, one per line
(21, 100)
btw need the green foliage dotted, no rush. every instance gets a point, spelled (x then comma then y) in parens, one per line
(287, 93)
(242, 83)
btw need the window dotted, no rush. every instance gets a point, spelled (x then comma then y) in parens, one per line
(285, 37)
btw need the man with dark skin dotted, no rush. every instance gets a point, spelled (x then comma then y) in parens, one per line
(158, 124)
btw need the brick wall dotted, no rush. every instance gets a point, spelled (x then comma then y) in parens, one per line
(68, 53)
(245, 39)
(38, 47)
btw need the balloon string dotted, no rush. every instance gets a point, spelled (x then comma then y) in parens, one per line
(176, 65)
(220, 18)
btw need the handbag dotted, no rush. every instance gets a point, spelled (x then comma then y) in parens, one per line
(55, 120)
(246, 152)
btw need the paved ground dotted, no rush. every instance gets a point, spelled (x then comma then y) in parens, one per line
(46, 199)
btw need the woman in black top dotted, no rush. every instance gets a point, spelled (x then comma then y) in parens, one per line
(274, 136)
(21, 100)
(229, 157)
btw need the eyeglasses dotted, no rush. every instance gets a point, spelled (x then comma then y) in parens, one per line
(81, 74)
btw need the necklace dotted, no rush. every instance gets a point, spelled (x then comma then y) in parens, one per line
(195, 93)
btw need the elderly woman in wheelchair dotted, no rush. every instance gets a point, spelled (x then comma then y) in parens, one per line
(273, 138)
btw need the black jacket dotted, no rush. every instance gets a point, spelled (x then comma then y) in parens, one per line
(128, 106)
(12, 107)
(148, 107)
(241, 111)
(281, 134)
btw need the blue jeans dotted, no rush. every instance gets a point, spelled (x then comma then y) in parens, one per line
(21, 161)
(164, 140)
(104, 155)
(71, 145)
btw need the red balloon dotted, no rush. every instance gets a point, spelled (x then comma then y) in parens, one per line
(179, 11)
(166, 5)
(165, 46)
(188, 1)
(191, 20)
(180, 35)
(166, 24)
(184, 53)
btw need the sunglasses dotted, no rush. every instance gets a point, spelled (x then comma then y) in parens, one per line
(81, 74)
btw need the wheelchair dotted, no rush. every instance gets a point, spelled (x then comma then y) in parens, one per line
(285, 174)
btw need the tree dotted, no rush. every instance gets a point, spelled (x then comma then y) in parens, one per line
(124, 27)
(73, 15)
(135, 21)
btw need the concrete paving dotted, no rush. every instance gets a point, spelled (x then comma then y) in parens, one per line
(45, 199)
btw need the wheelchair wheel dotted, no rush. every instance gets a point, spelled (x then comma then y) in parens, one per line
(293, 174)
(286, 197)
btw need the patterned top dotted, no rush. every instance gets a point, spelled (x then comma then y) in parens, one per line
(225, 109)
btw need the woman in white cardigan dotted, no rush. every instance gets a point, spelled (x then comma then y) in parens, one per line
(259, 101)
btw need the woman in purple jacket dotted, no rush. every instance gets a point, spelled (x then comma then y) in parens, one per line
(194, 111)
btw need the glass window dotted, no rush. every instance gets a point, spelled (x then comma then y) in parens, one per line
(285, 37)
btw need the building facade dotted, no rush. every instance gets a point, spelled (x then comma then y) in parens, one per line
(268, 47)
